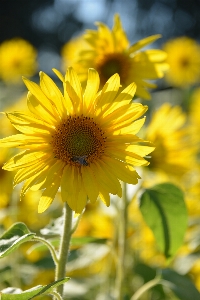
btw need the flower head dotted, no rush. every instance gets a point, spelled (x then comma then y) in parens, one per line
(183, 57)
(83, 142)
(110, 52)
(174, 139)
(17, 58)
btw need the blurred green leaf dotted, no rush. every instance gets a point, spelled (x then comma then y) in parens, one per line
(181, 285)
(75, 241)
(15, 294)
(79, 241)
(164, 211)
(13, 238)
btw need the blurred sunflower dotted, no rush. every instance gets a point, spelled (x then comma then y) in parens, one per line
(17, 58)
(194, 109)
(109, 52)
(84, 143)
(183, 57)
(70, 52)
(174, 139)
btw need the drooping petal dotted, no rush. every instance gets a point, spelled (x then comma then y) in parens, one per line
(39, 177)
(25, 173)
(49, 195)
(90, 183)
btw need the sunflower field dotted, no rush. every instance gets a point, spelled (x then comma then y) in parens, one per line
(100, 151)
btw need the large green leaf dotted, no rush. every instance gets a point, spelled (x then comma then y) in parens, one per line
(13, 238)
(181, 285)
(164, 211)
(16, 294)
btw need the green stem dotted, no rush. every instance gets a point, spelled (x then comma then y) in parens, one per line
(146, 287)
(56, 295)
(49, 245)
(123, 217)
(64, 246)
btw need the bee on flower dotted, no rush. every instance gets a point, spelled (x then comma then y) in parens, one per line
(82, 141)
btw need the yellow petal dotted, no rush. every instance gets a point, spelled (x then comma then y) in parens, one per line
(109, 92)
(25, 173)
(123, 98)
(40, 176)
(133, 128)
(38, 110)
(59, 74)
(73, 87)
(91, 89)
(90, 183)
(55, 171)
(24, 159)
(28, 124)
(144, 42)
(21, 140)
(52, 92)
(122, 171)
(140, 150)
(49, 195)
(40, 96)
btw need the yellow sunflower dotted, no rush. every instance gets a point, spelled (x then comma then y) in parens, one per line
(17, 58)
(83, 142)
(183, 57)
(110, 52)
(174, 140)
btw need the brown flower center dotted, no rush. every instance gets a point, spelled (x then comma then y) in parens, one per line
(78, 141)
(113, 63)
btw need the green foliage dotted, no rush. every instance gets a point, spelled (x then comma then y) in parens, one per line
(181, 285)
(13, 238)
(164, 211)
(15, 294)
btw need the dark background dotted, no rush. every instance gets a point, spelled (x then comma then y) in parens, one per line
(49, 24)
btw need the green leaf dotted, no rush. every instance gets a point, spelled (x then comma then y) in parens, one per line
(181, 285)
(79, 241)
(13, 238)
(15, 294)
(164, 211)
(75, 241)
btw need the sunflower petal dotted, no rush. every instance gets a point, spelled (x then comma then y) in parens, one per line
(144, 42)
(91, 89)
(49, 195)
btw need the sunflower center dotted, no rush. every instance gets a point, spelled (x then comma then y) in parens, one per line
(113, 63)
(78, 141)
(184, 62)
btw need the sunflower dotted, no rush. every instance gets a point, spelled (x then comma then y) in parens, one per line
(17, 57)
(110, 52)
(83, 142)
(183, 57)
(174, 139)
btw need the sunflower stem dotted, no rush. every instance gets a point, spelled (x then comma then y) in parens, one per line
(123, 215)
(64, 246)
